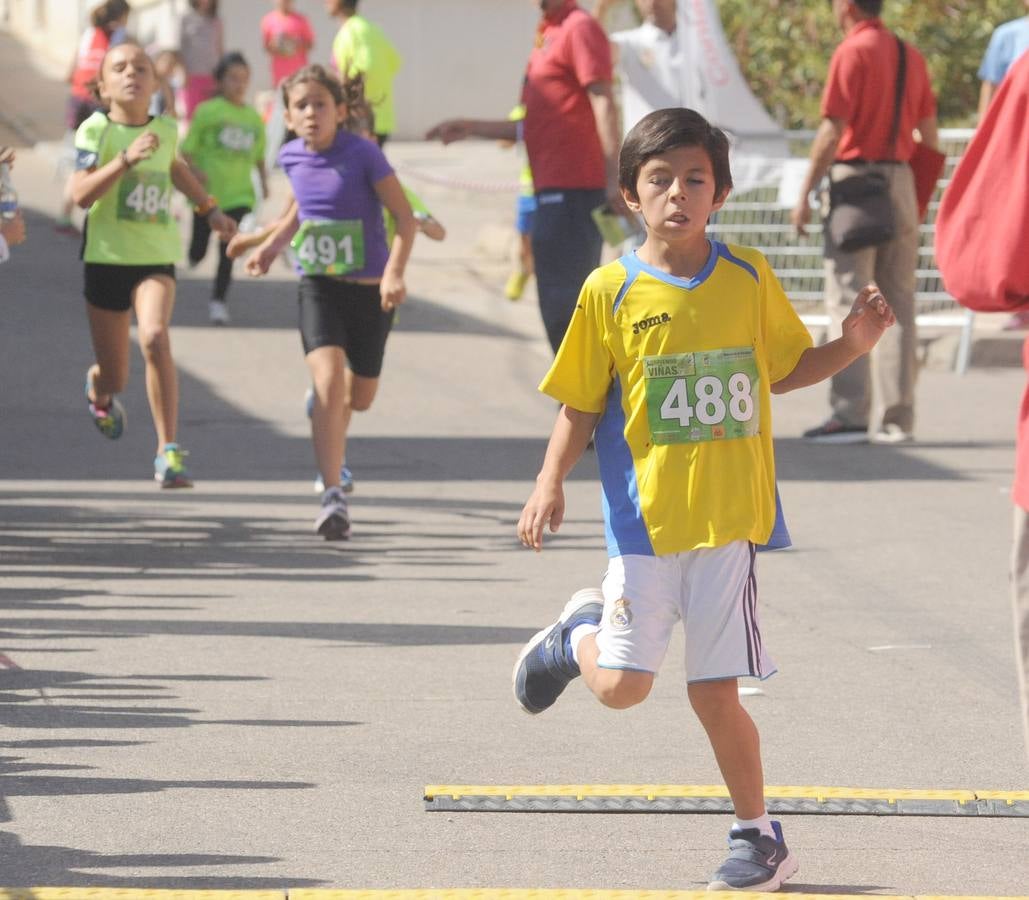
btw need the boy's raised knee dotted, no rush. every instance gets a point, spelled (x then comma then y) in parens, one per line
(622, 689)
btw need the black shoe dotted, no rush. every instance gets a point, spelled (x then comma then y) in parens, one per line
(546, 665)
(833, 431)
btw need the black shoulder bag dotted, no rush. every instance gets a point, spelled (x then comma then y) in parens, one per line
(860, 210)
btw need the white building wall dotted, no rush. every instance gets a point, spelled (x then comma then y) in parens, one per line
(461, 57)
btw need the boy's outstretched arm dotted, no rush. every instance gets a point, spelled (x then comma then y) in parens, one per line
(546, 505)
(869, 317)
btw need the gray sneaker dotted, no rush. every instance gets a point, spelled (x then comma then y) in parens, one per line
(546, 665)
(756, 862)
(333, 522)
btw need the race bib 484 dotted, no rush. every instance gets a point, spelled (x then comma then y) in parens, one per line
(144, 197)
(706, 396)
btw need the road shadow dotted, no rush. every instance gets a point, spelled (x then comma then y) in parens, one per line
(800, 460)
(29, 866)
(257, 303)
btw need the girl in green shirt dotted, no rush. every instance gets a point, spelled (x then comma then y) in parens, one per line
(224, 145)
(126, 168)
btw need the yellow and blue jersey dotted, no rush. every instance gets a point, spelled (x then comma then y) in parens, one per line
(679, 371)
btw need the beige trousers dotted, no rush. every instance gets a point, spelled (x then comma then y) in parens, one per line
(1020, 597)
(879, 388)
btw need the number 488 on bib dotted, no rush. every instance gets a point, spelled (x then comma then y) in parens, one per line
(709, 396)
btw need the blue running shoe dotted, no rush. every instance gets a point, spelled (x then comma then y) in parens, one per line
(756, 862)
(309, 402)
(110, 421)
(546, 665)
(346, 480)
(170, 468)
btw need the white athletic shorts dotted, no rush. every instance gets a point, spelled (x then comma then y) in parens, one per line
(712, 591)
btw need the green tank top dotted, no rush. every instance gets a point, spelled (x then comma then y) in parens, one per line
(132, 224)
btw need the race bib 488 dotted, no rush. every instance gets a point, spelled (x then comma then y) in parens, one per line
(706, 396)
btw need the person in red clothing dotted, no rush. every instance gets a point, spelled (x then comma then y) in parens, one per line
(107, 28)
(287, 38)
(982, 232)
(572, 137)
(873, 398)
(107, 24)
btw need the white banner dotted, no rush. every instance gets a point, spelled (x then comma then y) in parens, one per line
(714, 86)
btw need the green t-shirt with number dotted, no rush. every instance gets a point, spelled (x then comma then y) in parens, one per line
(226, 142)
(132, 224)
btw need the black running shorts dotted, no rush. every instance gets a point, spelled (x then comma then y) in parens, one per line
(336, 313)
(110, 287)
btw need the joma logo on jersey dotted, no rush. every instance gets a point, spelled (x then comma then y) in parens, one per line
(650, 322)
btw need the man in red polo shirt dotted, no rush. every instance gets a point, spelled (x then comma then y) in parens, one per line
(572, 139)
(873, 398)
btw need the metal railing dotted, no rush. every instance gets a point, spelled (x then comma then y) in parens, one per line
(756, 219)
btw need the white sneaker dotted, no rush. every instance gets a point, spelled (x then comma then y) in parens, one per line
(218, 312)
(891, 433)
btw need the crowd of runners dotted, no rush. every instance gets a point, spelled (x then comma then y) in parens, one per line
(151, 124)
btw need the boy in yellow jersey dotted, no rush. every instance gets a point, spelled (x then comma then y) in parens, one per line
(668, 364)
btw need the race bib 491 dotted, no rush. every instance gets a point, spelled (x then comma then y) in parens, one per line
(711, 395)
(144, 197)
(330, 248)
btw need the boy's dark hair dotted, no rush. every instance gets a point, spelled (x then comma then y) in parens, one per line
(227, 62)
(869, 7)
(107, 13)
(664, 130)
(349, 91)
(211, 13)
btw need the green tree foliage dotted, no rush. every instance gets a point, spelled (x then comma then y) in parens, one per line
(784, 47)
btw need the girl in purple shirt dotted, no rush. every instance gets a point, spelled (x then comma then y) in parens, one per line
(350, 281)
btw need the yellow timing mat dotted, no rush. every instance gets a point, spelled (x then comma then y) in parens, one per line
(569, 894)
(102, 893)
(664, 798)
(99, 893)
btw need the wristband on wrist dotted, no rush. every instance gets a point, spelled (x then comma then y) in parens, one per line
(206, 208)
(124, 157)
